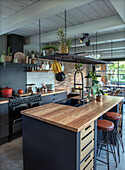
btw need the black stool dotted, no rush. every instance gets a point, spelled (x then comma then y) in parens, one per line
(106, 127)
(115, 117)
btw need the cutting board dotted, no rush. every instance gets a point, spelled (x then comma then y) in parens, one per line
(22, 95)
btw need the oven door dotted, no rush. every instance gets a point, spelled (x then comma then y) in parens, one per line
(15, 119)
(34, 104)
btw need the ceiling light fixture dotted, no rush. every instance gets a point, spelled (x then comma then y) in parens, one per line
(85, 36)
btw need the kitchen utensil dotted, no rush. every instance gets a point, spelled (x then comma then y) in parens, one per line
(20, 91)
(60, 76)
(7, 92)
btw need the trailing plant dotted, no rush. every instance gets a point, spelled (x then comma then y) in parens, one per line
(95, 85)
(54, 47)
(78, 67)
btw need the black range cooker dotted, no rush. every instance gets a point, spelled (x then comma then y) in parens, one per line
(16, 105)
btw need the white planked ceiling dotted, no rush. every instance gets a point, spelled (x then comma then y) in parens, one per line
(10, 7)
(91, 12)
(88, 12)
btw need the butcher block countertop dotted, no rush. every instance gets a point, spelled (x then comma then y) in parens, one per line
(3, 101)
(51, 92)
(72, 118)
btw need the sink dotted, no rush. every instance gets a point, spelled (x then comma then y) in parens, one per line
(72, 102)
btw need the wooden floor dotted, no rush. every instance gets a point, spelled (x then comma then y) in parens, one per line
(11, 157)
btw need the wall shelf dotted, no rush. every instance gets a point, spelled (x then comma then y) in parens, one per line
(40, 71)
(17, 64)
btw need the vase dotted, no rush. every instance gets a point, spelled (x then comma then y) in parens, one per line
(63, 48)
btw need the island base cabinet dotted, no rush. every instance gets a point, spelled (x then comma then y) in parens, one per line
(48, 147)
(4, 123)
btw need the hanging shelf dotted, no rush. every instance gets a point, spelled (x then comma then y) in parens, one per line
(73, 59)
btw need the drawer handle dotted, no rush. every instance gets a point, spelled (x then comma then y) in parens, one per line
(88, 127)
(87, 135)
(87, 165)
(88, 157)
(87, 145)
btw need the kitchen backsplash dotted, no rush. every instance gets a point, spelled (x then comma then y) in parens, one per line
(40, 77)
(68, 83)
(13, 76)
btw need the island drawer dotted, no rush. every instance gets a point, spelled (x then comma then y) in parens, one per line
(85, 151)
(87, 129)
(87, 139)
(88, 163)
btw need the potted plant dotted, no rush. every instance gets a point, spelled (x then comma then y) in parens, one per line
(99, 93)
(49, 49)
(8, 57)
(64, 43)
(78, 67)
(2, 57)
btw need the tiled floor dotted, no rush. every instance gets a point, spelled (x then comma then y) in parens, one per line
(11, 156)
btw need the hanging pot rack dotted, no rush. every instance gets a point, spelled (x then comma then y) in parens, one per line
(72, 58)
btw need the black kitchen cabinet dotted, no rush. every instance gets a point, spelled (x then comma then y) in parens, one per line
(4, 122)
(53, 98)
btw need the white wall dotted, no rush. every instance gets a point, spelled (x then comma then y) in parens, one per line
(30, 47)
(40, 77)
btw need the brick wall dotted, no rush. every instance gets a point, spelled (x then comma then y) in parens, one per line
(68, 83)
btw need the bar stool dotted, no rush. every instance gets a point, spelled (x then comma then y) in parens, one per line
(106, 127)
(115, 117)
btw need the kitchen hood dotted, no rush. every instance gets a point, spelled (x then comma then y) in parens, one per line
(72, 58)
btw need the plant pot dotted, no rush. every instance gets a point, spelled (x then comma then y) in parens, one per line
(2, 58)
(99, 98)
(48, 52)
(63, 48)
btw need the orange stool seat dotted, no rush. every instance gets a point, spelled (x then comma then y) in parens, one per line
(113, 116)
(105, 125)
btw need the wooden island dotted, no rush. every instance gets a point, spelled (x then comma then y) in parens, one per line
(61, 137)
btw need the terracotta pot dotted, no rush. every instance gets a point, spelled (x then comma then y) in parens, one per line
(99, 98)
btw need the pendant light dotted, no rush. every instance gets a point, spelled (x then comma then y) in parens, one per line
(39, 37)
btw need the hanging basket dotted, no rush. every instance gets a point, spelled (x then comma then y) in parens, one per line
(63, 48)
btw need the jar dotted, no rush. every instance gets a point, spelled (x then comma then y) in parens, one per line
(29, 61)
(26, 59)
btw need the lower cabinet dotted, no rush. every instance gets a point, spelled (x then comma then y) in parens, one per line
(57, 148)
(4, 122)
(53, 98)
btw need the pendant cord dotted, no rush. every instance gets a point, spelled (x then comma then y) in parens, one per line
(75, 44)
(39, 37)
(111, 51)
(96, 45)
(65, 12)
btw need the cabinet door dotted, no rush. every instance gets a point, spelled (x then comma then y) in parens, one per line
(4, 122)
(46, 99)
(59, 96)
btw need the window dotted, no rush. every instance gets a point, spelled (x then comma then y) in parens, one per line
(112, 74)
